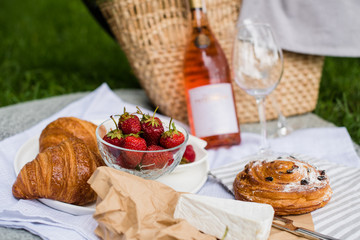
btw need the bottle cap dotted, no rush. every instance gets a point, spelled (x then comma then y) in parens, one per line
(195, 3)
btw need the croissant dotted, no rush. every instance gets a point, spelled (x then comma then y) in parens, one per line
(66, 127)
(290, 185)
(59, 173)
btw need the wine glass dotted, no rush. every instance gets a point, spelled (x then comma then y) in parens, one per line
(282, 127)
(257, 67)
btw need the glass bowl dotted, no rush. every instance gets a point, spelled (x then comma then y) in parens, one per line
(120, 158)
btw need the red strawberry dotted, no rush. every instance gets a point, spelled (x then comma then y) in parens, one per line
(189, 155)
(152, 160)
(120, 160)
(172, 137)
(129, 123)
(151, 127)
(134, 142)
(114, 137)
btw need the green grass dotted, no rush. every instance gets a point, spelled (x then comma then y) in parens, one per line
(50, 48)
(339, 96)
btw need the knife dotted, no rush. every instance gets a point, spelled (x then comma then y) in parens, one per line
(287, 225)
(284, 224)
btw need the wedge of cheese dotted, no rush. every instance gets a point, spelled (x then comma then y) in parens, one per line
(243, 220)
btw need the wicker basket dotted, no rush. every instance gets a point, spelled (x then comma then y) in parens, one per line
(153, 34)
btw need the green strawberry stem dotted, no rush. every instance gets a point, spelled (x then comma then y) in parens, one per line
(125, 116)
(125, 113)
(170, 124)
(146, 117)
(134, 134)
(139, 111)
(116, 133)
(172, 129)
(175, 131)
(155, 112)
(112, 118)
(184, 161)
(152, 120)
(225, 233)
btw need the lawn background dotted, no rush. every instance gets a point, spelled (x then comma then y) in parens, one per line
(50, 48)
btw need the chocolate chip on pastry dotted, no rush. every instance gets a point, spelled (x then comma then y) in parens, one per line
(290, 185)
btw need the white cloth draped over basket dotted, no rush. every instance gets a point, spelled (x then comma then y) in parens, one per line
(322, 27)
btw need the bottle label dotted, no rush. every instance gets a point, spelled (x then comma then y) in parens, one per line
(213, 110)
(202, 41)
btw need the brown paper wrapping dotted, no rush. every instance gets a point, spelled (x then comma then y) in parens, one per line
(129, 207)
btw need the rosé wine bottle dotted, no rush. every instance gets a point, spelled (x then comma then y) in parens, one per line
(209, 94)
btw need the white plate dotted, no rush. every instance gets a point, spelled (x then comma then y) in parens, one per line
(185, 178)
(192, 176)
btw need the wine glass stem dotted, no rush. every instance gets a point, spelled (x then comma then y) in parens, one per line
(264, 145)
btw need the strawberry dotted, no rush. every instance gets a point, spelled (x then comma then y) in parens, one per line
(134, 142)
(151, 128)
(120, 160)
(189, 155)
(129, 123)
(114, 137)
(170, 162)
(172, 137)
(152, 160)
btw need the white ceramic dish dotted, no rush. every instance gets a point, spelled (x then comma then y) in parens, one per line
(185, 178)
(192, 176)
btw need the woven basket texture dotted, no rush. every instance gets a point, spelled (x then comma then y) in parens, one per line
(153, 35)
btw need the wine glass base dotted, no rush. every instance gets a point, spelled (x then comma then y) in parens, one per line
(281, 128)
(281, 132)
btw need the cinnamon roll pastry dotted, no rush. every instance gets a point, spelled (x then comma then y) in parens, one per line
(289, 185)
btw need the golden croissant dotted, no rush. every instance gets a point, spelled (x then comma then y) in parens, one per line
(60, 173)
(66, 127)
